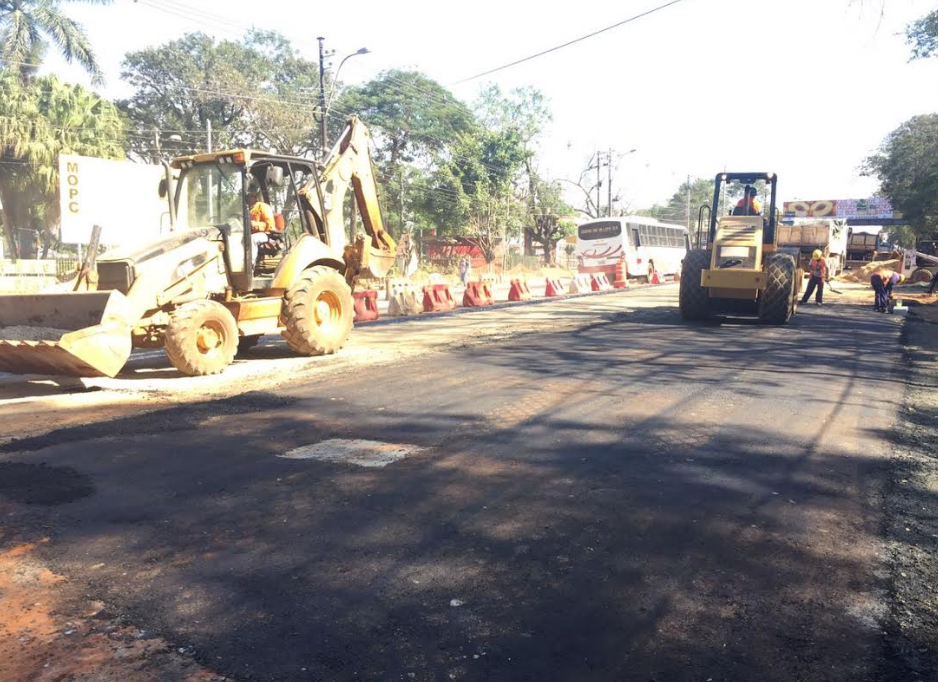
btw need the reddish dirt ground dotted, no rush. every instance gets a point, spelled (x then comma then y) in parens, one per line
(38, 642)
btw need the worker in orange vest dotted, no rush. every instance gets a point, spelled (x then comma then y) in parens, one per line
(817, 271)
(748, 205)
(262, 221)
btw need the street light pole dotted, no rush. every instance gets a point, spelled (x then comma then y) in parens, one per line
(335, 78)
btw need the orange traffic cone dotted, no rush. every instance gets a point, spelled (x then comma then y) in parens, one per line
(621, 275)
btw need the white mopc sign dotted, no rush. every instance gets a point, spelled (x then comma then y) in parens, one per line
(120, 196)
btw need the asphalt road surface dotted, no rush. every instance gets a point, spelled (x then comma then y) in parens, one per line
(630, 499)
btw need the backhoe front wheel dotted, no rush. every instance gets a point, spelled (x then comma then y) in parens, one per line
(693, 299)
(318, 311)
(201, 338)
(778, 297)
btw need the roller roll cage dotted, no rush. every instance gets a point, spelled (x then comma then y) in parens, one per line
(748, 179)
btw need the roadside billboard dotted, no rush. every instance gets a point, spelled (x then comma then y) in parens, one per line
(120, 196)
(872, 208)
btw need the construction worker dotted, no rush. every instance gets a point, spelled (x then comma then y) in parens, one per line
(817, 270)
(883, 280)
(748, 205)
(262, 215)
(262, 221)
(893, 281)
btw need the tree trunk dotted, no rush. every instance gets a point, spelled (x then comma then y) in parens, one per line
(13, 214)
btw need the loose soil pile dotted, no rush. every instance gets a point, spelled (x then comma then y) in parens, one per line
(864, 273)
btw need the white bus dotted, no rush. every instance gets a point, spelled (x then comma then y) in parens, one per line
(647, 244)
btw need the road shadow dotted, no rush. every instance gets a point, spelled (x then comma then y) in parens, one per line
(572, 516)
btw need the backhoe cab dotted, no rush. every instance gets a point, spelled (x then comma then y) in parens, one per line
(741, 270)
(201, 292)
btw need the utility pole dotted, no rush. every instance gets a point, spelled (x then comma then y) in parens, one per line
(599, 182)
(609, 183)
(208, 135)
(322, 96)
(402, 200)
(688, 203)
(156, 146)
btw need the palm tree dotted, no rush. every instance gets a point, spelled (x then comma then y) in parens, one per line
(27, 27)
(38, 121)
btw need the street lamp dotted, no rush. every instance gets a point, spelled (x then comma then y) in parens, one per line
(323, 107)
(335, 78)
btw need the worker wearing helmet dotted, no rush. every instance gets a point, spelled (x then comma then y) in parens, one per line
(748, 205)
(817, 271)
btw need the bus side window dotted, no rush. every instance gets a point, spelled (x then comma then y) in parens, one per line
(636, 241)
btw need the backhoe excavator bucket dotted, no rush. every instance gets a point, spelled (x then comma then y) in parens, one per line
(378, 262)
(83, 334)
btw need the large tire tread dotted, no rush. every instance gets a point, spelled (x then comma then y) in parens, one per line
(694, 301)
(778, 297)
(182, 333)
(301, 330)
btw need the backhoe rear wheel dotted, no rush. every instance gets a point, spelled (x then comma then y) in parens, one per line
(201, 338)
(778, 297)
(694, 301)
(922, 275)
(318, 311)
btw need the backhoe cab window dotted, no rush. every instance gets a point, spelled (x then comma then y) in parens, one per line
(211, 194)
(284, 202)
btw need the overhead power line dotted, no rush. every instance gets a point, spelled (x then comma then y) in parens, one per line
(570, 42)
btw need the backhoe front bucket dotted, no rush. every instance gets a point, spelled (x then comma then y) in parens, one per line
(83, 334)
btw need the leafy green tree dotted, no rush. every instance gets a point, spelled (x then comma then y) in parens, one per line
(411, 116)
(523, 114)
(27, 27)
(257, 92)
(922, 35)
(523, 111)
(551, 219)
(414, 122)
(907, 167)
(471, 188)
(38, 121)
(675, 209)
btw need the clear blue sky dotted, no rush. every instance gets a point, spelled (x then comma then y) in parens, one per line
(805, 88)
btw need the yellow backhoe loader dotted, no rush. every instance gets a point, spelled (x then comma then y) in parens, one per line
(741, 271)
(207, 290)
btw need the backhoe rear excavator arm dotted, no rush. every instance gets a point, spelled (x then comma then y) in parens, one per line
(350, 163)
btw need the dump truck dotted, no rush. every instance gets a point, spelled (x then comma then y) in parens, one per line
(208, 290)
(741, 270)
(862, 248)
(806, 235)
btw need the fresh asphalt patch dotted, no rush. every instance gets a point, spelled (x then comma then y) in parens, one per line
(634, 499)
